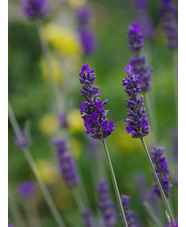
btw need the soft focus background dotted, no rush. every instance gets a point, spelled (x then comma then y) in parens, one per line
(33, 103)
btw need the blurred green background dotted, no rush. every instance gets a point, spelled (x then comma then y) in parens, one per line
(32, 100)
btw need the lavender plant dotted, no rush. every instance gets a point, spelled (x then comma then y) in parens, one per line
(138, 124)
(66, 163)
(143, 18)
(138, 63)
(87, 218)
(27, 189)
(106, 205)
(162, 170)
(34, 169)
(168, 13)
(86, 35)
(35, 9)
(9, 225)
(96, 121)
(170, 224)
(129, 213)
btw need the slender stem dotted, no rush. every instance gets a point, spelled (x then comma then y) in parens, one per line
(152, 214)
(78, 199)
(30, 160)
(14, 209)
(48, 63)
(165, 201)
(115, 184)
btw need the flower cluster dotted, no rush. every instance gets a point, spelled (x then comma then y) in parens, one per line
(27, 189)
(66, 163)
(143, 18)
(106, 204)
(168, 225)
(138, 63)
(95, 117)
(86, 35)
(129, 214)
(35, 9)
(24, 141)
(87, 222)
(137, 121)
(161, 168)
(168, 14)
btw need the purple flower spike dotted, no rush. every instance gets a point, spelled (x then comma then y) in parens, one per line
(138, 63)
(135, 38)
(168, 14)
(106, 204)
(162, 170)
(83, 15)
(129, 214)
(137, 121)
(27, 189)
(87, 218)
(62, 120)
(88, 40)
(95, 117)
(35, 9)
(24, 141)
(66, 163)
(168, 225)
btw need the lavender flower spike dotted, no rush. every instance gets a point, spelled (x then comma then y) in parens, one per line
(27, 189)
(87, 218)
(66, 163)
(95, 117)
(137, 120)
(105, 204)
(129, 214)
(35, 9)
(161, 168)
(138, 63)
(9, 225)
(168, 13)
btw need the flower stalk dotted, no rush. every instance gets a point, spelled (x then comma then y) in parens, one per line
(123, 217)
(34, 169)
(165, 201)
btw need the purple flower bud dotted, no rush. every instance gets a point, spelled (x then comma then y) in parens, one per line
(27, 189)
(135, 38)
(66, 163)
(129, 214)
(95, 118)
(87, 218)
(137, 121)
(168, 14)
(106, 204)
(83, 14)
(88, 40)
(24, 141)
(35, 9)
(62, 120)
(162, 170)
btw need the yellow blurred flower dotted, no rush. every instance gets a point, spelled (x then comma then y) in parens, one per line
(57, 74)
(47, 172)
(76, 3)
(61, 39)
(76, 147)
(48, 124)
(75, 121)
(124, 140)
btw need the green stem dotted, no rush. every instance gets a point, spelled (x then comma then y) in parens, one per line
(34, 169)
(115, 184)
(45, 50)
(78, 199)
(165, 201)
